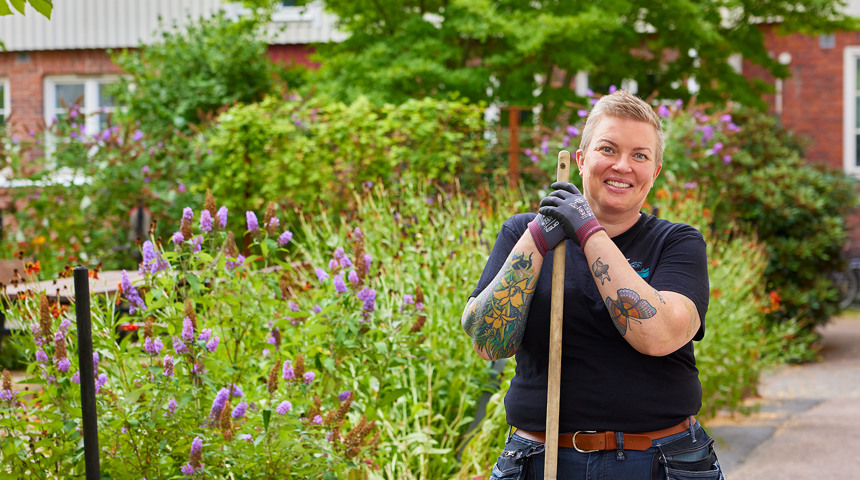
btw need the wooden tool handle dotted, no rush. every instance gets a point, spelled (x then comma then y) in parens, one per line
(553, 394)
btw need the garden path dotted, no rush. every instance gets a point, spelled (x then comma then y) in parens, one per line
(808, 425)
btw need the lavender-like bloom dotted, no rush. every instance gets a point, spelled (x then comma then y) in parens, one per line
(187, 469)
(357, 233)
(285, 238)
(64, 365)
(353, 277)
(317, 308)
(152, 346)
(138, 135)
(177, 238)
(317, 420)
(101, 380)
(95, 362)
(339, 285)
(408, 299)
(332, 264)
(343, 395)
(41, 356)
(218, 403)
(293, 306)
(247, 437)
(213, 344)
(727, 159)
(345, 262)
(187, 329)
(205, 221)
(251, 220)
(197, 243)
(8, 395)
(663, 111)
(187, 214)
(205, 335)
(368, 259)
(240, 259)
(131, 293)
(287, 371)
(321, 274)
(64, 326)
(309, 377)
(76, 377)
(171, 407)
(368, 296)
(168, 366)
(221, 216)
(717, 147)
(152, 260)
(239, 410)
(274, 223)
(339, 253)
(235, 391)
(284, 407)
(582, 113)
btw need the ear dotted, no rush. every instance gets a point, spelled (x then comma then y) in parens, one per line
(580, 160)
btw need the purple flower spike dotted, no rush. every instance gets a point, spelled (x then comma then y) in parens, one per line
(221, 215)
(153, 346)
(187, 469)
(168, 366)
(251, 220)
(187, 214)
(321, 274)
(213, 344)
(284, 407)
(205, 221)
(205, 335)
(663, 111)
(64, 365)
(343, 395)
(218, 403)
(171, 406)
(309, 377)
(582, 113)
(178, 238)
(339, 285)
(41, 356)
(317, 420)
(285, 238)
(288, 372)
(239, 410)
(352, 277)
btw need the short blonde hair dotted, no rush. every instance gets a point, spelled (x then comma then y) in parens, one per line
(624, 105)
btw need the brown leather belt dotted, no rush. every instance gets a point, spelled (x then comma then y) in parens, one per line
(591, 441)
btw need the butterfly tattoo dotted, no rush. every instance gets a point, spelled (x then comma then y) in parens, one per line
(629, 306)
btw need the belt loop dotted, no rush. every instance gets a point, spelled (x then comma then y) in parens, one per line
(692, 433)
(619, 446)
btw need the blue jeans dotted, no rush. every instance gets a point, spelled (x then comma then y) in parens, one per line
(682, 456)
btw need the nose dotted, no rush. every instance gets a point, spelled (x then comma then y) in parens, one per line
(623, 164)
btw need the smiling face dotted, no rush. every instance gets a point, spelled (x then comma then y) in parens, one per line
(619, 166)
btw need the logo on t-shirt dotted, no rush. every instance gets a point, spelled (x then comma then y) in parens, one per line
(642, 271)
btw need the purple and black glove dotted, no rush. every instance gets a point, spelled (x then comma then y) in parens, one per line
(566, 208)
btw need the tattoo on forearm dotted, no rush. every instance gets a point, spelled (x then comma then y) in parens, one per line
(659, 297)
(629, 306)
(693, 315)
(497, 323)
(600, 270)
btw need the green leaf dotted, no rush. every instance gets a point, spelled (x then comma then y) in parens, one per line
(19, 5)
(134, 395)
(45, 7)
(194, 281)
(267, 416)
(69, 425)
(4, 9)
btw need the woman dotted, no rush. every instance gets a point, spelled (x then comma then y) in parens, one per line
(635, 297)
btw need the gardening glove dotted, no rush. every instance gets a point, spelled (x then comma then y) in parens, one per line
(570, 209)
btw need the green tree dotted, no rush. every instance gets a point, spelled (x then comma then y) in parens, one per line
(506, 50)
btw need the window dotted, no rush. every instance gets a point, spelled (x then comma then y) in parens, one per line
(85, 95)
(4, 101)
(851, 111)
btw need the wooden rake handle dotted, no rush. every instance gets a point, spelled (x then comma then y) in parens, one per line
(553, 394)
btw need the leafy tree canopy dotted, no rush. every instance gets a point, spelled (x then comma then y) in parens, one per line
(527, 52)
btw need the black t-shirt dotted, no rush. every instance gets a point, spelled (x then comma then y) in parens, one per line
(605, 383)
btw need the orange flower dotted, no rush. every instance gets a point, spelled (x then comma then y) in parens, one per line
(33, 268)
(716, 293)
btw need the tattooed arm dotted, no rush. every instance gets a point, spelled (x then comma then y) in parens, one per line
(496, 318)
(654, 323)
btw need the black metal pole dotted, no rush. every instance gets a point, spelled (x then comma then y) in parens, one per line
(88, 381)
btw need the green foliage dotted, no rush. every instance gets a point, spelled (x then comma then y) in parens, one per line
(391, 337)
(506, 51)
(307, 152)
(44, 7)
(186, 77)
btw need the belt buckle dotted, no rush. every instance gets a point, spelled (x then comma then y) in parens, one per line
(574, 441)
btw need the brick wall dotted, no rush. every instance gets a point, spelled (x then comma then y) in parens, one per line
(26, 72)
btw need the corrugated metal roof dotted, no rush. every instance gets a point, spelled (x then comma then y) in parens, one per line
(79, 24)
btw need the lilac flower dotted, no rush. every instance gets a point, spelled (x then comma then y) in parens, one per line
(171, 407)
(151, 346)
(717, 147)
(284, 407)
(368, 259)
(213, 344)
(352, 277)
(293, 306)
(612, 88)
(145, 169)
(168, 366)
(679, 103)
(274, 223)
(582, 113)
(95, 362)
(63, 365)
(187, 214)
(197, 243)
(321, 274)
(544, 146)
(7, 395)
(345, 262)
(707, 133)
(726, 118)
(663, 111)
(565, 141)
(408, 299)
(187, 329)
(691, 185)
(131, 293)
(247, 437)
(138, 135)
(177, 238)
(239, 410)
(205, 335)
(285, 238)
(727, 159)
(368, 296)
(357, 233)
(572, 131)
(76, 377)
(205, 221)
(187, 469)
(231, 265)
(218, 403)
(339, 285)
(41, 356)
(179, 346)
(332, 264)
(251, 220)
(64, 326)
(196, 446)
(317, 420)
(101, 380)
(309, 377)
(221, 216)
(318, 309)
(181, 188)
(731, 126)
(235, 391)
(343, 395)
(152, 260)
(287, 371)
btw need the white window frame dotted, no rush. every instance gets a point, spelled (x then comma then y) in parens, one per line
(6, 108)
(849, 110)
(90, 105)
(304, 13)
